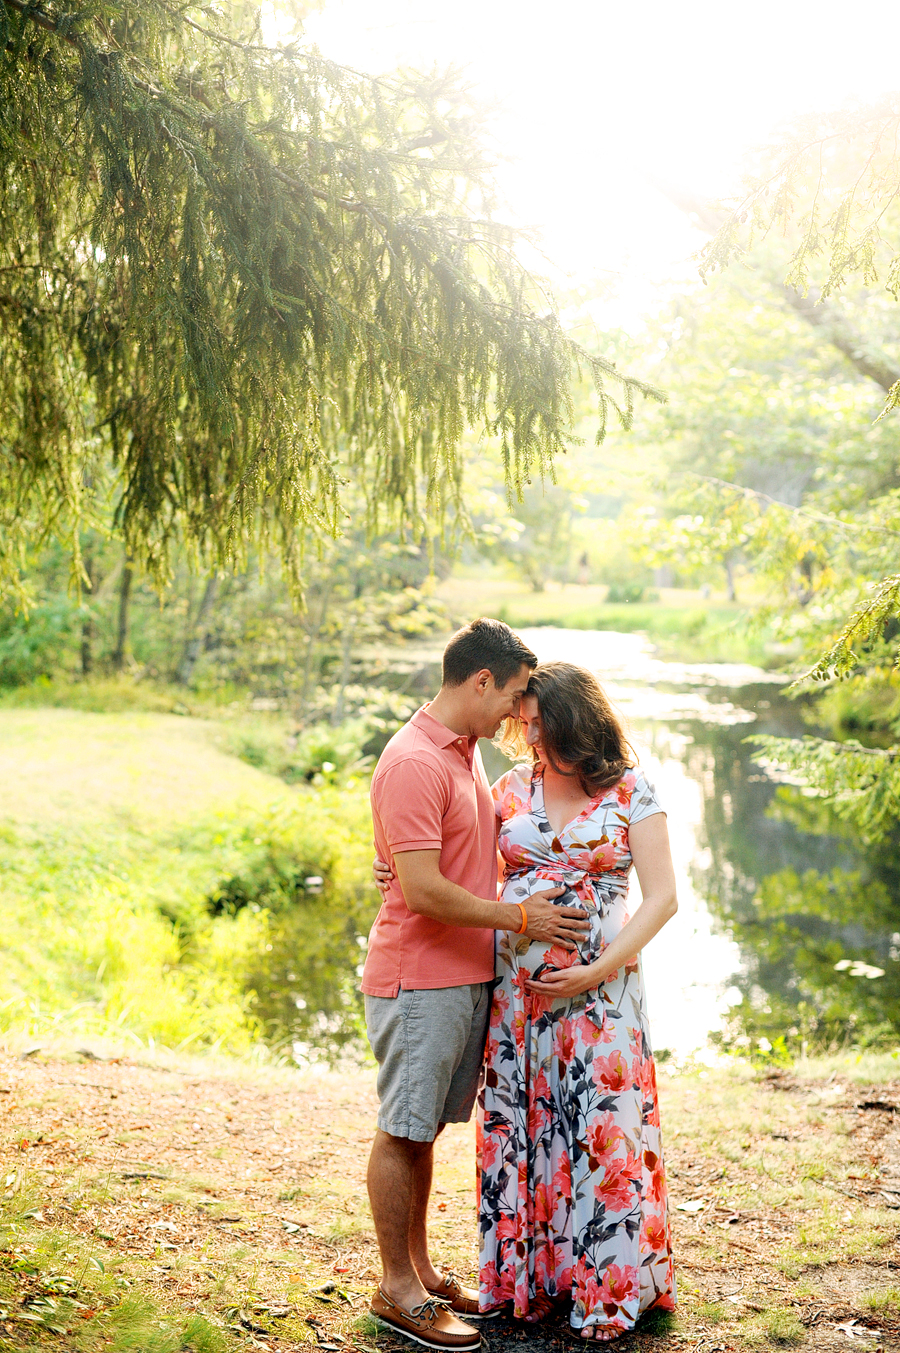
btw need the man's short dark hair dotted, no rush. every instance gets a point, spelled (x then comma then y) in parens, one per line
(485, 644)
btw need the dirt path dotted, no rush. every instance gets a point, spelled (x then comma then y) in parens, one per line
(240, 1194)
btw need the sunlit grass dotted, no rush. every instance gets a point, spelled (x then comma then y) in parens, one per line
(55, 1285)
(832, 1235)
(712, 1312)
(116, 828)
(123, 694)
(790, 1184)
(746, 1286)
(869, 1067)
(682, 622)
(882, 1301)
(783, 1327)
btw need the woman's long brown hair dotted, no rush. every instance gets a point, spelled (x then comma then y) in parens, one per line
(581, 733)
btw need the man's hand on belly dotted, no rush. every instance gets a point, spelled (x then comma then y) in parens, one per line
(555, 925)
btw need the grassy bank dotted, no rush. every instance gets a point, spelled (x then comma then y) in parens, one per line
(681, 623)
(146, 873)
(207, 1205)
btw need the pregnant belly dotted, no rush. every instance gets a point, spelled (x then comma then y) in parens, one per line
(530, 956)
(543, 956)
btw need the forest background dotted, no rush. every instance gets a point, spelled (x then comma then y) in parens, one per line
(285, 397)
(278, 597)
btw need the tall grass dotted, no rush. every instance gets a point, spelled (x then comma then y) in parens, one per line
(119, 836)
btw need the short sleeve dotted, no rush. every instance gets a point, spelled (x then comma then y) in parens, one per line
(644, 801)
(511, 792)
(498, 792)
(410, 800)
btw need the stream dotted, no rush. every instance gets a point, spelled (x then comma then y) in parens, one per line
(685, 720)
(788, 931)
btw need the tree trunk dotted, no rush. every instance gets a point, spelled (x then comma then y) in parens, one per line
(337, 713)
(118, 659)
(840, 333)
(195, 641)
(87, 620)
(823, 315)
(313, 633)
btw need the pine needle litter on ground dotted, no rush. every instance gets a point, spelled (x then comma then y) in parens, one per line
(175, 1204)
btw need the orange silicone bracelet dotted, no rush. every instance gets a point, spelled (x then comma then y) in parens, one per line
(521, 906)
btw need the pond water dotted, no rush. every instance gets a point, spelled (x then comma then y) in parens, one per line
(685, 720)
(786, 927)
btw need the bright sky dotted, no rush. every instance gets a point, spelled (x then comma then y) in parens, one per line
(599, 98)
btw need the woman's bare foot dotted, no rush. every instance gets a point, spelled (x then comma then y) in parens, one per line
(601, 1334)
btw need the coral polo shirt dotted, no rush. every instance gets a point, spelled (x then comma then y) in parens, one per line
(430, 792)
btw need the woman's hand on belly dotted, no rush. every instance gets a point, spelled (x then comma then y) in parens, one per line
(565, 982)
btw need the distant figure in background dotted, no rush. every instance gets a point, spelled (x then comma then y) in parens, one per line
(584, 569)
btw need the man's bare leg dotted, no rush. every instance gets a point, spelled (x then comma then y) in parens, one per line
(418, 1220)
(396, 1168)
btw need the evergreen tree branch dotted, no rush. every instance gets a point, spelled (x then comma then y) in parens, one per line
(808, 303)
(60, 25)
(854, 528)
(840, 221)
(866, 621)
(862, 783)
(268, 276)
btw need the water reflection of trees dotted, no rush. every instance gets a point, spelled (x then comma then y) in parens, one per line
(786, 878)
(307, 983)
(780, 873)
(304, 876)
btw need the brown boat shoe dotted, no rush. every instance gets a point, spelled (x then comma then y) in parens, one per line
(431, 1323)
(461, 1300)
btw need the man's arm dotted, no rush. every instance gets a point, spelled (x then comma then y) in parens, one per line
(427, 893)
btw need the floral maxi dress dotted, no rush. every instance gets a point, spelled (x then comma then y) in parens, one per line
(572, 1186)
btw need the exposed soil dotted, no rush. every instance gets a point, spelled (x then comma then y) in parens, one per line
(241, 1193)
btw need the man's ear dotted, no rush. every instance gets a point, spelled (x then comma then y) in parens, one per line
(483, 680)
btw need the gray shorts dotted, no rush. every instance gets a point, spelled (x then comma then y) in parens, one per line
(429, 1046)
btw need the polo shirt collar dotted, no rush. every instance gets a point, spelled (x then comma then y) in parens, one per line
(440, 734)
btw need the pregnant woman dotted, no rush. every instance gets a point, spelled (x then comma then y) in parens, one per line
(572, 1186)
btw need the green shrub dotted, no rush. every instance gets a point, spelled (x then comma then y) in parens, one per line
(196, 923)
(31, 646)
(323, 752)
(629, 593)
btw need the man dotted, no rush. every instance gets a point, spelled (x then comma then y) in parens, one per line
(430, 964)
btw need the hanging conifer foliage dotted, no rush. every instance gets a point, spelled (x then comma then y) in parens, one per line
(232, 276)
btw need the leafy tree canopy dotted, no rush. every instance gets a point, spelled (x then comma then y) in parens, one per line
(771, 455)
(831, 188)
(800, 451)
(233, 277)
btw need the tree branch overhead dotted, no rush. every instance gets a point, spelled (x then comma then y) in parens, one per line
(253, 273)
